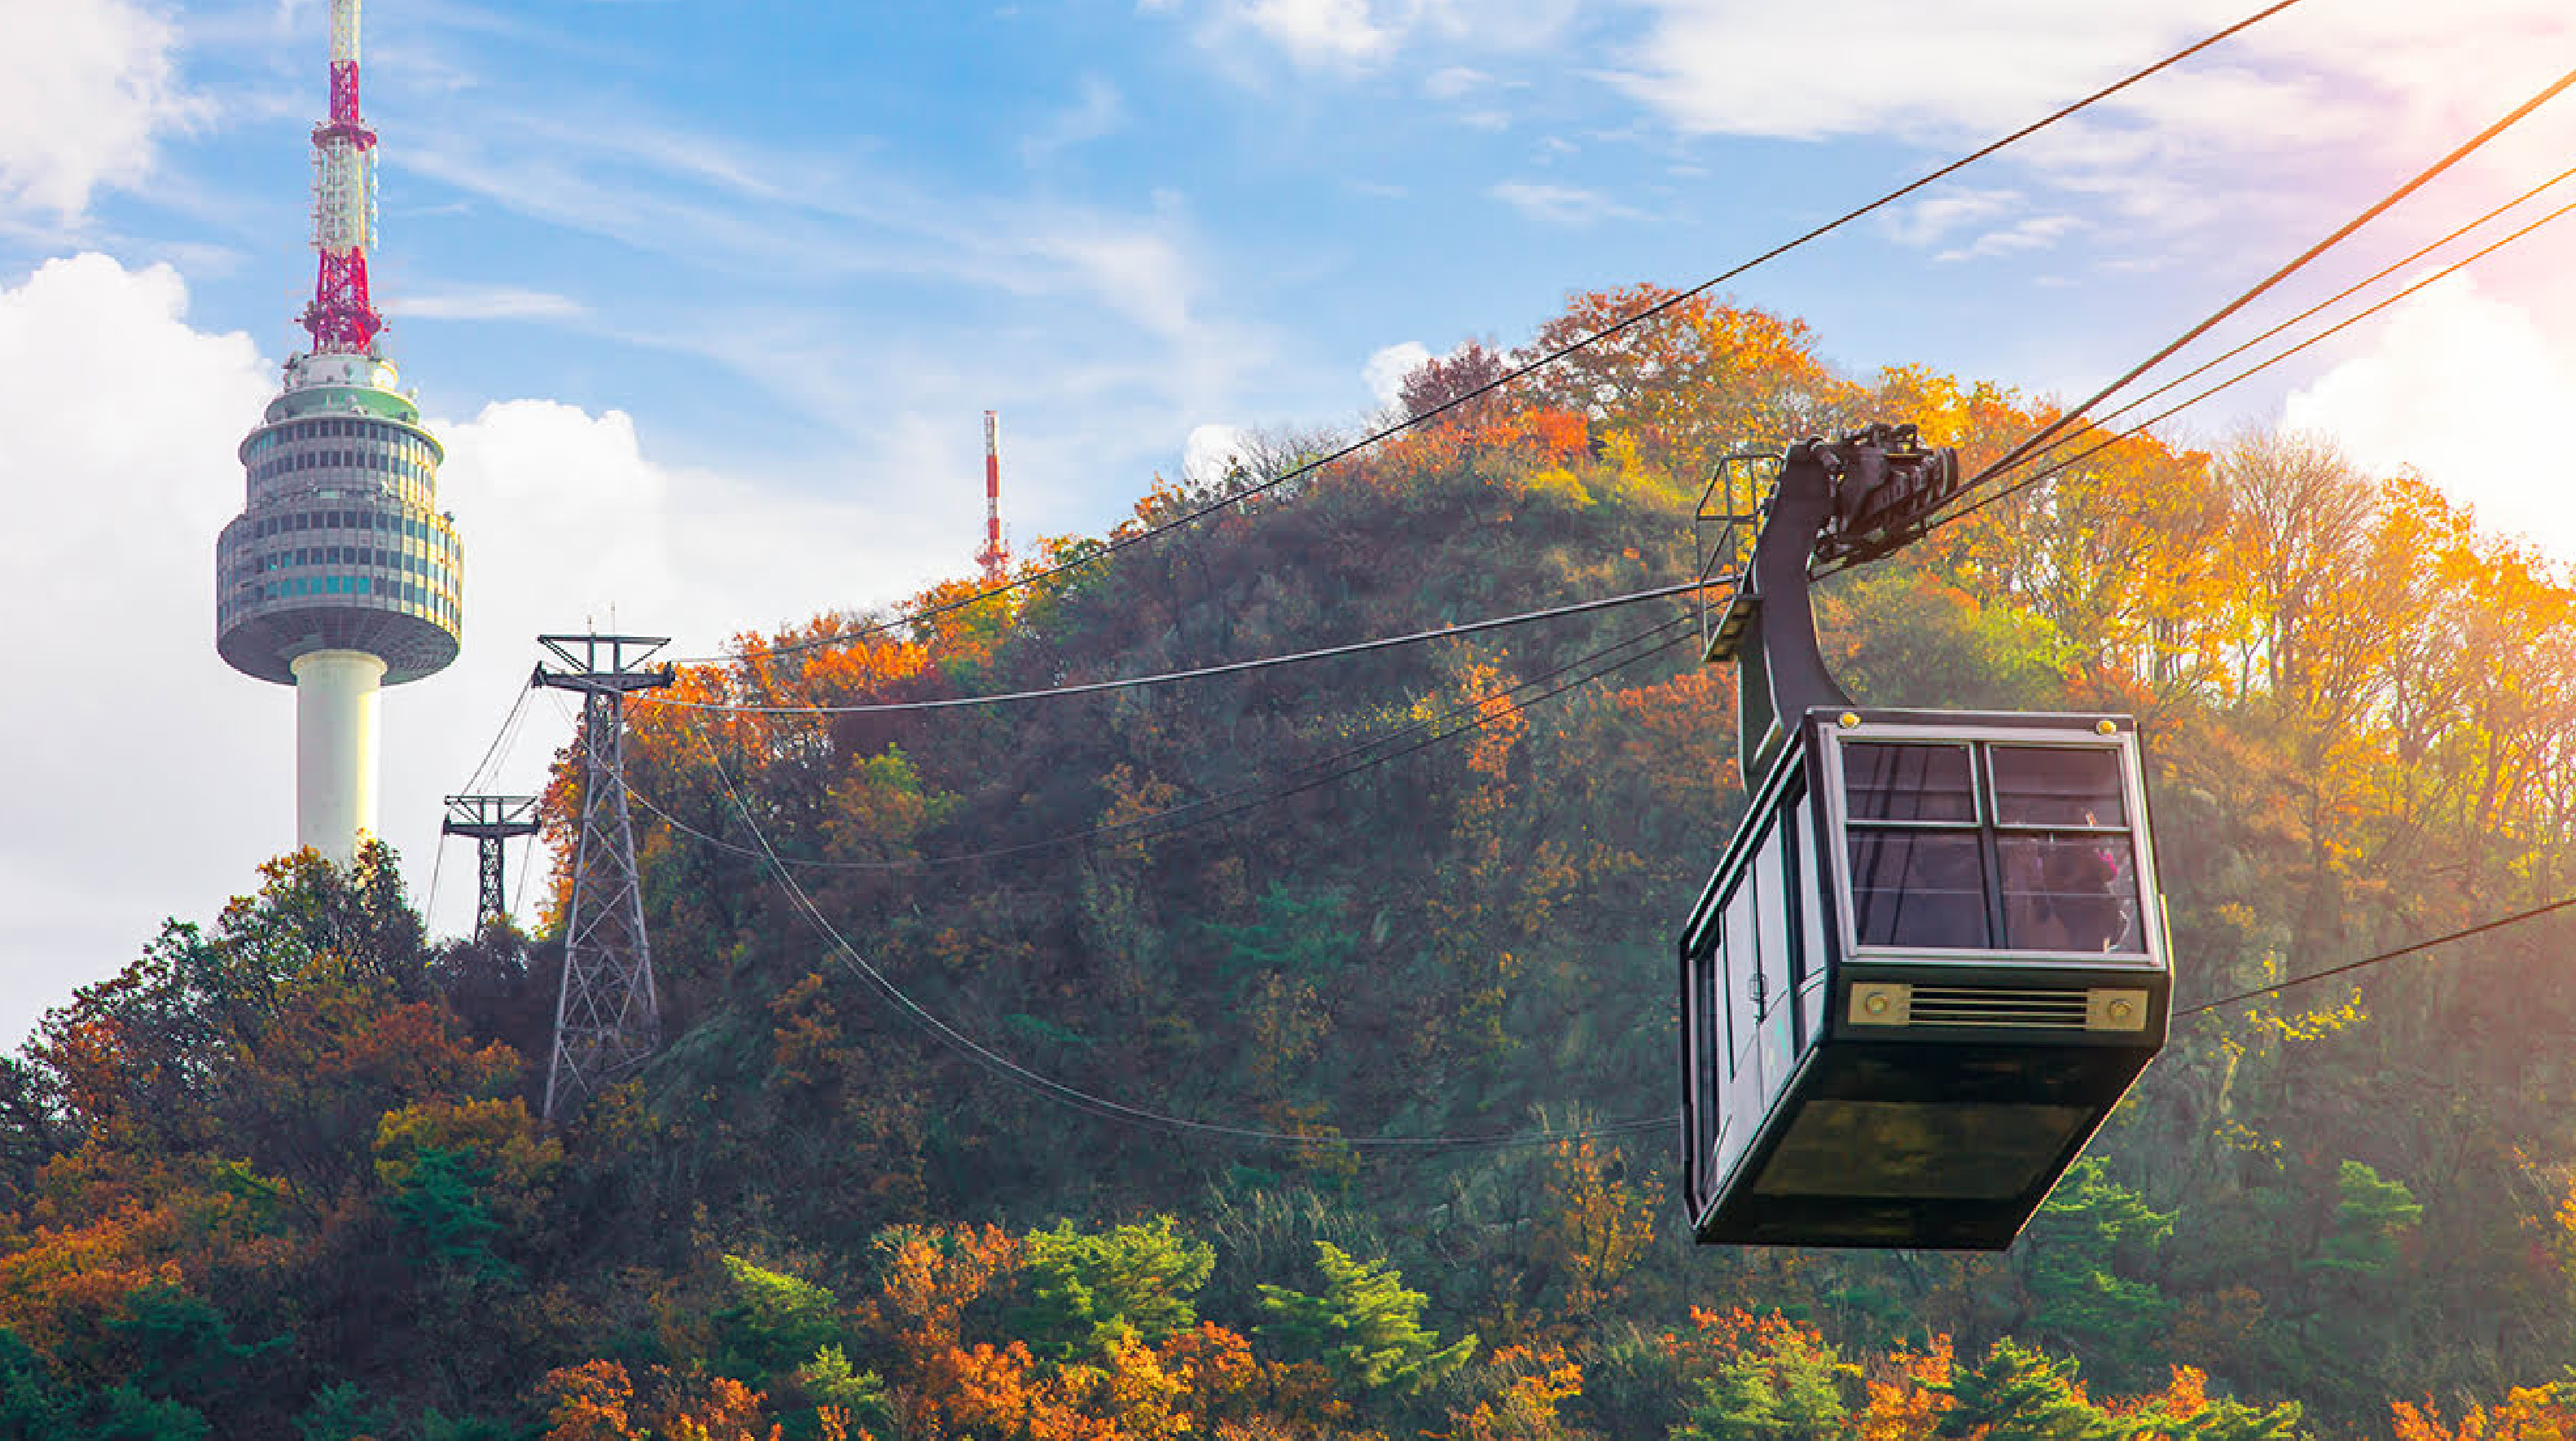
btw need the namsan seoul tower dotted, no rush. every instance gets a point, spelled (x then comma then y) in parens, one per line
(340, 576)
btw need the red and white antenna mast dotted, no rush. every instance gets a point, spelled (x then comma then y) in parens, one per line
(993, 556)
(342, 319)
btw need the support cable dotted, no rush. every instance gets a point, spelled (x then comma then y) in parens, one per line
(474, 781)
(1540, 362)
(1251, 797)
(501, 739)
(2060, 467)
(1092, 1103)
(2417, 948)
(1237, 667)
(2345, 294)
(437, 864)
(2042, 435)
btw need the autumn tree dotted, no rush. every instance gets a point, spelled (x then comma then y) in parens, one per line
(1090, 1290)
(1445, 380)
(1366, 1326)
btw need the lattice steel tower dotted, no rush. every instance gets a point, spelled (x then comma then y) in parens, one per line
(491, 822)
(340, 576)
(607, 1021)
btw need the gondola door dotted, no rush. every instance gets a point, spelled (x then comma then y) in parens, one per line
(1746, 1096)
(1774, 995)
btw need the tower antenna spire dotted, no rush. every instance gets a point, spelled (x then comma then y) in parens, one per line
(341, 576)
(993, 557)
(343, 319)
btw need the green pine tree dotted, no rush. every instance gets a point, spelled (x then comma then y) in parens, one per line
(1366, 1327)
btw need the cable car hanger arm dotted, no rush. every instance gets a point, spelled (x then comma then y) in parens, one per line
(1850, 500)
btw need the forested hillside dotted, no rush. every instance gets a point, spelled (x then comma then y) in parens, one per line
(1390, 933)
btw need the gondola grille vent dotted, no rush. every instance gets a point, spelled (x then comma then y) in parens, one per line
(1884, 1003)
(1978, 1006)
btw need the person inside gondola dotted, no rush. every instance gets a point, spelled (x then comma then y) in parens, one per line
(2065, 892)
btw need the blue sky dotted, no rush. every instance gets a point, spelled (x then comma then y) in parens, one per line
(724, 287)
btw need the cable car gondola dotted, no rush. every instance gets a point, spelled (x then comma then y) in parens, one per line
(1932, 958)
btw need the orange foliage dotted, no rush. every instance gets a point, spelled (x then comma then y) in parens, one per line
(931, 1277)
(589, 1402)
(597, 1401)
(2526, 1414)
(1697, 379)
(1903, 1396)
(808, 1048)
(1524, 1409)
(710, 1408)
(1190, 1384)
(87, 1058)
(2165, 1415)
(1716, 1336)
(1214, 1363)
(107, 1226)
(1508, 445)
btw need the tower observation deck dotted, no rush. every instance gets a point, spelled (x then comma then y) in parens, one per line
(340, 576)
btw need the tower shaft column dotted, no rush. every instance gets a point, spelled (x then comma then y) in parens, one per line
(336, 694)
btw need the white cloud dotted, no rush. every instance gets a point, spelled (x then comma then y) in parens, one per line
(147, 779)
(2372, 82)
(570, 522)
(87, 88)
(1929, 221)
(1099, 111)
(1211, 450)
(1716, 68)
(702, 200)
(1342, 34)
(2452, 385)
(1387, 368)
(121, 423)
(1142, 276)
(1358, 36)
(1452, 81)
(2036, 233)
(489, 302)
(1558, 204)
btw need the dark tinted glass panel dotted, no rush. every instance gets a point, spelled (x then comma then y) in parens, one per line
(1919, 888)
(2075, 891)
(2058, 786)
(1908, 783)
(1937, 1152)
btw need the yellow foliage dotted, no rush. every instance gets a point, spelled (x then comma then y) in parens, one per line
(1903, 1395)
(1524, 1408)
(500, 1135)
(1596, 1225)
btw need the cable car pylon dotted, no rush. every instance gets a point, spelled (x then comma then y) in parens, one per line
(491, 822)
(607, 1020)
(1932, 958)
